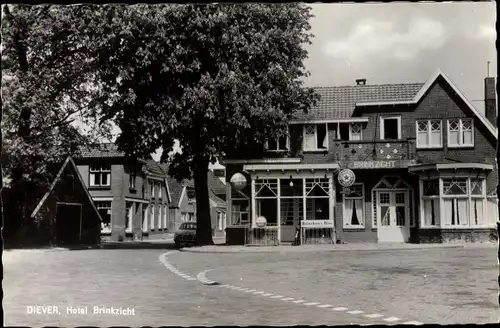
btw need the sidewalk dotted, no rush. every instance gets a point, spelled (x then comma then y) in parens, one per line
(329, 248)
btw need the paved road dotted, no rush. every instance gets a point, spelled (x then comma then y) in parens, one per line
(444, 286)
(435, 286)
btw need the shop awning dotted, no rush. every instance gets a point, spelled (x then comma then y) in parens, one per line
(291, 167)
(450, 166)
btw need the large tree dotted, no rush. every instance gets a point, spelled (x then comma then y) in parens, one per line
(48, 82)
(220, 78)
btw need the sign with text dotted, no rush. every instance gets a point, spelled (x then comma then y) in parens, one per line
(316, 223)
(380, 164)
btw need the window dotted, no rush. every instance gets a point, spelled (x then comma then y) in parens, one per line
(152, 188)
(343, 131)
(160, 220)
(240, 206)
(145, 217)
(463, 203)
(159, 190)
(460, 133)
(152, 216)
(390, 128)
(104, 209)
(220, 221)
(129, 214)
(353, 207)
(430, 198)
(429, 134)
(100, 175)
(165, 209)
(191, 195)
(355, 131)
(315, 137)
(277, 144)
(132, 177)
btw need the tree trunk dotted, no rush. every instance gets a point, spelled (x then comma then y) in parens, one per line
(204, 222)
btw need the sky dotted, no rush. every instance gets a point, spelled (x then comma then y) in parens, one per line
(403, 43)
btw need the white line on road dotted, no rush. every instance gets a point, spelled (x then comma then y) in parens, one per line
(257, 293)
(339, 309)
(373, 315)
(324, 306)
(311, 303)
(299, 301)
(412, 323)
(277, 296)
(287, 299)
(391, 319)
(267, 294)
(355, 312)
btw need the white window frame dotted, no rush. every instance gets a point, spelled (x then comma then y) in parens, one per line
(277, 150)
(159, 190)
(160, 220)
(129, 216)
(469, 196)
(145, 213)
(99, 205)
(132, 178)
(102, 170)
(351, 133)
(460, 133)
(152, 188)
(422, 198)
(429, 133)
(382, 126)
(152, 217)
(315, 138)
(345, 221)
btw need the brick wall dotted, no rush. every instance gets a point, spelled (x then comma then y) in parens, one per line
(456, 235)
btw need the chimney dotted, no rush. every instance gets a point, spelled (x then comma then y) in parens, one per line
(490, 100)
(361, 81)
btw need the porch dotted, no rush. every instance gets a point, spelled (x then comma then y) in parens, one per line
(280, 201)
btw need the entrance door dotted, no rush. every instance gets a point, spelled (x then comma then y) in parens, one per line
(393, 216)
(68, 223)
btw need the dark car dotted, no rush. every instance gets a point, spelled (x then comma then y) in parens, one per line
(186, 234)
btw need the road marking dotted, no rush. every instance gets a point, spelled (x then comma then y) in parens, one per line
(339, 309)
(257, 293)
(355, 312)
(287, 299)
(251, 290)
(299, 301)
(324, 306)
(391, 319)
(311, 303)
(412, 323)
(373, 315)
(277, 296)
(268, 294)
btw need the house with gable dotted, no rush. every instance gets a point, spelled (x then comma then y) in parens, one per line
(410, 162)
(131, 195)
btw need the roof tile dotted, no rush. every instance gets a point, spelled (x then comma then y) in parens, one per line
(339, 102)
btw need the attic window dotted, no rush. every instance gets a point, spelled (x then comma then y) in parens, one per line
(390, 128)
(191, 195)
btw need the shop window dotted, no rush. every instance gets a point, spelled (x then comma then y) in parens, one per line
(429, 134)
(353, 202)
(104, 209)
(460, 133)
(129, 213)
(390, 128)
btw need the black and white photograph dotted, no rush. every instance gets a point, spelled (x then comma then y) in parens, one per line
(249, 164)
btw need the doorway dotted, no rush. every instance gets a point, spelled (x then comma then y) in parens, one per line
(393, 216)
(69, 223)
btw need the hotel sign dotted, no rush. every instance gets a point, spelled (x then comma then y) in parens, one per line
(380, 164)
(316, 223)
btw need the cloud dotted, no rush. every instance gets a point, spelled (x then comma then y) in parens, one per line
(384, 38)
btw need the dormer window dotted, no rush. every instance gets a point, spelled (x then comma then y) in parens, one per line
(315, 137)
(355, 131)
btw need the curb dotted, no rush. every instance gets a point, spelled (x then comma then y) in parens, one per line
(254, 250)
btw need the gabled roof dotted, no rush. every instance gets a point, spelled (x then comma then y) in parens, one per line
(175, 190)
(339, 102)
(154, 167)
(418, 96)
(218, 201)
(102, 150)
(71, 164)
(214, 183)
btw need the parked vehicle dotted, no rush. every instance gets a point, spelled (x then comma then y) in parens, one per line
(186, 234)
